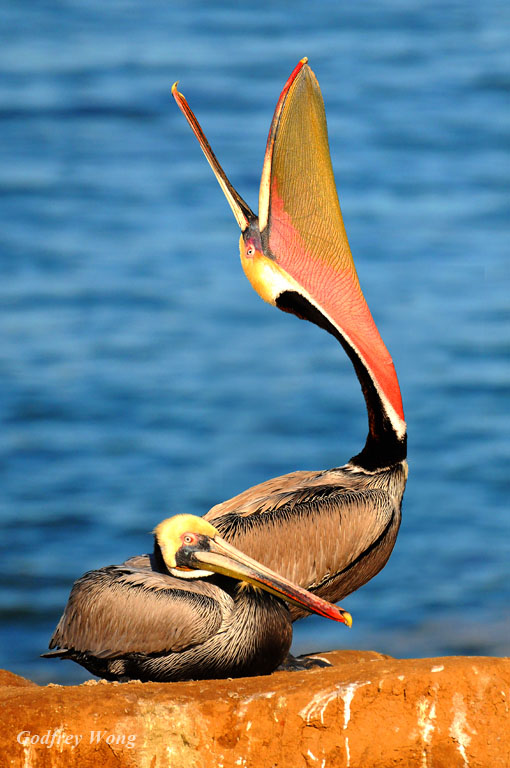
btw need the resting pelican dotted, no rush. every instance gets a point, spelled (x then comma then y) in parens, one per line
(332, 530)
(196, 608)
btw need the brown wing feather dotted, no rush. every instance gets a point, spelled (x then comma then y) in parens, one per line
(329, 531)
(121, 609)
(264, 496)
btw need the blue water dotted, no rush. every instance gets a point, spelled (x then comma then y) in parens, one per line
(142, 376)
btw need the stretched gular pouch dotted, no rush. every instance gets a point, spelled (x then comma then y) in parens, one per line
(303, 231)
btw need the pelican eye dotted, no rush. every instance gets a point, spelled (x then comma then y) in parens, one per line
(250, 250)
(189, 538)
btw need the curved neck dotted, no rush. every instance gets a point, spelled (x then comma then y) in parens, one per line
(383, 446)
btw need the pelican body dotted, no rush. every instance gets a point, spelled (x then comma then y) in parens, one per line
(329, 531)
(196, 608)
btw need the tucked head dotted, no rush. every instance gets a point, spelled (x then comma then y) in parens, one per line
(192, 548)
(179, 532)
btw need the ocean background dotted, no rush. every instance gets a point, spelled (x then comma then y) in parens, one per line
(141, 376)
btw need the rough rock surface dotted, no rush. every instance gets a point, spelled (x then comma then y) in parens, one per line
(365, 711)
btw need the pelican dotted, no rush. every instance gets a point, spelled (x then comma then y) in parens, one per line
(329, 531)
(196, 608)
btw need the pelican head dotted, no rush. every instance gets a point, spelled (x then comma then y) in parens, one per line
(177, 537)
(192, 548)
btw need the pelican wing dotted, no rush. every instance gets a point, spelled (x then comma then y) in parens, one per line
(318, 529)
(120, 609)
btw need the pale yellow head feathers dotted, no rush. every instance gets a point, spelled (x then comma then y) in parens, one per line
(266, 276)
(169, 534)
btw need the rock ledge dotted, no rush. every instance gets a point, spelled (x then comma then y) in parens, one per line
(365, 711)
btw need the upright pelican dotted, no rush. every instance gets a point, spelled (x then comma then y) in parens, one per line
(329, 531)
(196, 608)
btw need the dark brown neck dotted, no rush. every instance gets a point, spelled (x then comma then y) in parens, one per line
(383, 446)
(157, 559)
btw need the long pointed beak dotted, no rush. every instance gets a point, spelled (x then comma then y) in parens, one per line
(243, 213)
(226, 559)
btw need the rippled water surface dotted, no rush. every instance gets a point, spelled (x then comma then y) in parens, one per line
(142, 376)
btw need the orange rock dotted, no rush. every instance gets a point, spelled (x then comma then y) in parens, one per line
(365, 711)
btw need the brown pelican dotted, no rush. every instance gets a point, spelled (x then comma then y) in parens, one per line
(196, 608)
(329, 531)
